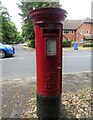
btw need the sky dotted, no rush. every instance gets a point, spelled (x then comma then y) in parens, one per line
(77, 9)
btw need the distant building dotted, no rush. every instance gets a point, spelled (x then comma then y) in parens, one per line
(78, 30)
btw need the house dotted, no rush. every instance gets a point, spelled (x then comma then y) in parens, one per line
(78, 30)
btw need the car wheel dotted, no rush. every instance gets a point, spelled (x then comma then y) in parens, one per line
(2, 54)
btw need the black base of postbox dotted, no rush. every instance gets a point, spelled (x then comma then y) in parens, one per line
(48, 108)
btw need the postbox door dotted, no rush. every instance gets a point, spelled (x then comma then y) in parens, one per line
(53, 78)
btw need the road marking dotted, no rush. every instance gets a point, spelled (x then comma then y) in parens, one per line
(79, 56)
(76, 72)
(19, 58)
(11, 59)
(34, 77)
(17, 79)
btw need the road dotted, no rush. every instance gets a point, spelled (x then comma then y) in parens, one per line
(77, 61)
(22, 65)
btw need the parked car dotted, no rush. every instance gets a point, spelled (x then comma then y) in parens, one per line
(6, 50)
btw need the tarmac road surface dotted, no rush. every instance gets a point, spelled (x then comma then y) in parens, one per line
(23, 65)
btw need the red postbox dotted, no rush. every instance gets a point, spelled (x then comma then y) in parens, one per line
(48, 29)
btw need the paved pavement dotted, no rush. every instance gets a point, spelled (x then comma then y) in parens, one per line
(16, 94)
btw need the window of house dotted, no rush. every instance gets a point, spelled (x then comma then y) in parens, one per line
(81, 41)
(81, 31)
(72, 31)
(85, 42)
(66, 31)
(87, 31)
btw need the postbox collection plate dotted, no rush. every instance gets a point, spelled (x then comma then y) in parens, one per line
(50, 47)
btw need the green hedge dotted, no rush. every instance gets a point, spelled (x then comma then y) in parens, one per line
(31, 43)
(88, 45)
(67, 43)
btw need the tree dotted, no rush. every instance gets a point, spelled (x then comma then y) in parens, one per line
(19, 38)
(27, 27)
(9, 31)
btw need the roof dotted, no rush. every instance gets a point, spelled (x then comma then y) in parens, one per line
(88, 20)
(74, 24)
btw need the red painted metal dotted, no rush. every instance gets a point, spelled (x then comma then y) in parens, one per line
(48, 15)
(49, 68)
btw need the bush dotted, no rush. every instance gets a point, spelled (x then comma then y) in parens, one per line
(67, 43)
(31, 43)
(88, 45)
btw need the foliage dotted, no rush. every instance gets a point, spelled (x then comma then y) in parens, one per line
(31, 43)
(27, 6)
(67, 43)
(27, 27)
(27, 30)
(19, 38)
(9, 31)
(88, 45)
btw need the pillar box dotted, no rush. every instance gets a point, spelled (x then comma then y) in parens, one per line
(48, 27)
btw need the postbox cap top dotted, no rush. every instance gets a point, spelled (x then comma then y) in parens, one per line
(48, 14)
